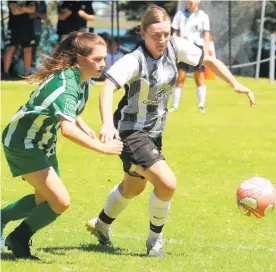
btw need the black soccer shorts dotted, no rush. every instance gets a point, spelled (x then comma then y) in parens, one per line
(189, 68)
(139, 149)
(16, 37)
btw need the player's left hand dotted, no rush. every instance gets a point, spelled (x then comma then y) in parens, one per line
(239, 88)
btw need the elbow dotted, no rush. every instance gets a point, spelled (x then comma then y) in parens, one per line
(66, 128)
(61, 17)
(15, 12)
(64, 131)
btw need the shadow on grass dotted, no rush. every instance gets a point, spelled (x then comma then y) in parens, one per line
(92, 248)
(6, 256)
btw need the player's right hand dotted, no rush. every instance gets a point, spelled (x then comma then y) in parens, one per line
(113, 147)
(109, 133)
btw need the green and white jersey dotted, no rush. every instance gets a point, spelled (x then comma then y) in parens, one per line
(36, 123)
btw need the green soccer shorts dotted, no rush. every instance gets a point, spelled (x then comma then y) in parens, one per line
(25, 161)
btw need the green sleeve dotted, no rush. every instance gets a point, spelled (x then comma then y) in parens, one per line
(66, 103)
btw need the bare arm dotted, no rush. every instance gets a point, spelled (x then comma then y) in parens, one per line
(86, 16)
(70, 131)
(42, 16)
(223, 72)
(219, 69)
(108, 132)
(30, 9)
(64, 13)
(17, 10)
(106, 102)
(84, 127)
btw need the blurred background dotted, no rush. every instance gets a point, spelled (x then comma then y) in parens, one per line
(236, 26)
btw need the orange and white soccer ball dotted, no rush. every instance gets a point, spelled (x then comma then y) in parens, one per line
(256, 196)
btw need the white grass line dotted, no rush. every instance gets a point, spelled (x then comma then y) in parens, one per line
(180, 242)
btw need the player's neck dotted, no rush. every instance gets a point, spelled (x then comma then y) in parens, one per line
(194, 10)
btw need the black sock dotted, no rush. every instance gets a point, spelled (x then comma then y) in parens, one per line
(105, 218)
(156, 229)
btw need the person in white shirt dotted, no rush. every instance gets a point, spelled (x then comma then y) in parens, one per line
(113, 55)
(193, 25)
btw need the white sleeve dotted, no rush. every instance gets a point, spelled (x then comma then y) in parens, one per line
(188, 52)
(176, 21)
(123, 70)
(206, 23)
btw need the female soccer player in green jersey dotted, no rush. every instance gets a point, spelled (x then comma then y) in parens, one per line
(30, 138)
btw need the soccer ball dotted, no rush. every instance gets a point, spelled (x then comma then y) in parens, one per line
(256, 196)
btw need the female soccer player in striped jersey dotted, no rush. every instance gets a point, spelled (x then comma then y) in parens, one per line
(148, 74)
(30, 138)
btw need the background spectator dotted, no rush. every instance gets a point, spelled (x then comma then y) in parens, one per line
(113, 54)
(20, 32)
(73, 16)
(39, 15)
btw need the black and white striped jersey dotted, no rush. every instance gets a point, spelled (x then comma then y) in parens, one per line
(148, 84)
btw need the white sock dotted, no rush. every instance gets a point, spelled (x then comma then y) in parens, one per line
(176, 96)
(201, 95)
(158, 211)
(115, 203)
(155, 235)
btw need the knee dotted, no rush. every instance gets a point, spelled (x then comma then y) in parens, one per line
(138, 191)
(168, 185)
(200, 81)
(62, 205)
(180, 81)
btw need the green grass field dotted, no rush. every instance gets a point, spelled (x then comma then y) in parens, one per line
(211, 155)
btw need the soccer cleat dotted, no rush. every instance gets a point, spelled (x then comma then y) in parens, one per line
(95, 227)
(202, 110)
(172, 109)
(2, 242)
(155, 247)
(19, 247)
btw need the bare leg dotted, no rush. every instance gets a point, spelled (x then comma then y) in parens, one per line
(8, 58)
(161, 177)
(117, 201)
(48, 186)
(27, 59)
(52, 199)
(164, 182)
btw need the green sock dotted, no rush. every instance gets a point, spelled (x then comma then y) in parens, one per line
(19, 209)
(42, 216)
